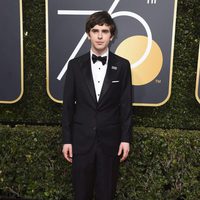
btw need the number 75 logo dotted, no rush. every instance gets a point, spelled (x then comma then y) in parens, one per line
(145, 38)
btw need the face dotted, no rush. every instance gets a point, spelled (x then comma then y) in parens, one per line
(100, 38)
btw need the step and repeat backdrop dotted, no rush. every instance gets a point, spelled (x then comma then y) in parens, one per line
(11, 51)
(146, 33)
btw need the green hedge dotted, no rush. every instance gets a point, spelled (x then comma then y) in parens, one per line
(163, 165)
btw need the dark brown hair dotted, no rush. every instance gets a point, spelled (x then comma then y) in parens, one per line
(100, 18)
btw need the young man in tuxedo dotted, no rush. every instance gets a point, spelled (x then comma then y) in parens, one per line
(96, 121)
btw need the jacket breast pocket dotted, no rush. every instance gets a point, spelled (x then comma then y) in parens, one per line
(115, 82)
(115, 88)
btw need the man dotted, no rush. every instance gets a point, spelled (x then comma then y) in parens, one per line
(97, 113)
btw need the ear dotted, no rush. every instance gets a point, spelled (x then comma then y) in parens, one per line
(88, 36)
(111, 38)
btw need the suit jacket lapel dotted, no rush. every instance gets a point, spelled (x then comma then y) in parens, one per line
(87, 72)
(108, 77)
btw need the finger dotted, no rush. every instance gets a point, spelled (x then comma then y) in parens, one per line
(123, 158)
(125, 155)
(70, 155)
(68, 158)
(70, 152)
(120, 150)
(67, 155)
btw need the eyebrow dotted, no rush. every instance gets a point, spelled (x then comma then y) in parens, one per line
(103, 30)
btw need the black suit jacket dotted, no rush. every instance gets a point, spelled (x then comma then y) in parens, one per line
(108, 120)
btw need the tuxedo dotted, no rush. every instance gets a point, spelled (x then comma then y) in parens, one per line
(84, 118)
(95, 128)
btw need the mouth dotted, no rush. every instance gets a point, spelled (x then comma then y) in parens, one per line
(99, 43)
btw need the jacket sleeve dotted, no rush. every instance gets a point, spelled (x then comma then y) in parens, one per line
(68, 105)
(126, 104)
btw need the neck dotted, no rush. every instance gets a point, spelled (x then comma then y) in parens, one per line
(99, 52)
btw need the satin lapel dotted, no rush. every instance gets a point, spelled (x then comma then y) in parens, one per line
(108, 78)
(87, 72)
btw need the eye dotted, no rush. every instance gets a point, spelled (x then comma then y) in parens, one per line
(105, 31)
(94, 30)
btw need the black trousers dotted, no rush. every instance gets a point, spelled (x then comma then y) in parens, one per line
(95, 174)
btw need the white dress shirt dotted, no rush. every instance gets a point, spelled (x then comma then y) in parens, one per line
(98, 73)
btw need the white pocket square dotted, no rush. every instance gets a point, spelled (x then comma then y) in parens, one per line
(115, 81)
(114, 67)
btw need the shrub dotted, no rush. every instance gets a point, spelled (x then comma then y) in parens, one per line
(163, 164)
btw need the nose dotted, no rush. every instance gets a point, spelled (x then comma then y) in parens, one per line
(100, 35)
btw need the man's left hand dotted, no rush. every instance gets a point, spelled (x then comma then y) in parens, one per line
(124, 149)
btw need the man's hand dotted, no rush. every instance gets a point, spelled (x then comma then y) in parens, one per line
(124, 148)
(67, 152)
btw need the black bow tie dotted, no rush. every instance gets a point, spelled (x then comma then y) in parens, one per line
(102, 59)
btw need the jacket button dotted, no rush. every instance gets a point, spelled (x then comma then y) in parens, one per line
(94, 128)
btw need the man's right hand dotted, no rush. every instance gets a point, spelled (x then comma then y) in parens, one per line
(67, 152)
